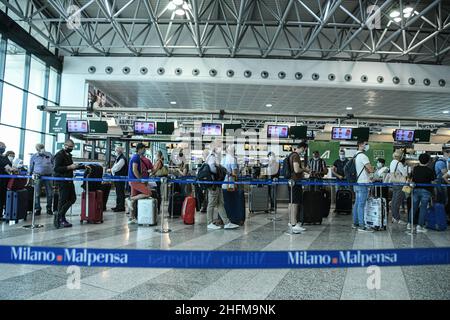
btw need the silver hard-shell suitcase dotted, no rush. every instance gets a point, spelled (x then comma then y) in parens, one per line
(258, 199)
(146, 211)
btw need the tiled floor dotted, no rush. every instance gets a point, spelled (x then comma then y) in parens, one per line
(259, 233)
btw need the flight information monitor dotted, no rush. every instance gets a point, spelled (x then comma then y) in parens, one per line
(274, 131)
(144, 127)
(341, 133)
(404, 135)
(211, 129)
(77, 126)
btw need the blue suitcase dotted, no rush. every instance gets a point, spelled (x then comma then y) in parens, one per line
(16, 205)
(234, 202)
(436, 218)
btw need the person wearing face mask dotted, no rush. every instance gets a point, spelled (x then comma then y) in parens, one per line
(273, 169)
(5, 168)
(119, 170)
(64, 168)
(317, 166)
(363, 169)
(297, 168)
(41, 164)
(139, 190)
(398, 196)
(338, 168)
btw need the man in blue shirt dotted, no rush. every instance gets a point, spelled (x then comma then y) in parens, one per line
(41, 163)
(440, 166)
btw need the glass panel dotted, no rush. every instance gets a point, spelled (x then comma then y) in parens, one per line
(11, 106)
(31, 138)
(15, 64)
(11, 137)
(52, 85)
(34, 116)
(37, 77)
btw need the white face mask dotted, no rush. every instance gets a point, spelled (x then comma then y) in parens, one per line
(366, 147)
(379, 165)
(11, 159)
(342, 156)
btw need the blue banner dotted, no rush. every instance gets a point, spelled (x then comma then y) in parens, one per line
(184, 259)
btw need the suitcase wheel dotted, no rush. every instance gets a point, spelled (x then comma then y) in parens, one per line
(81, 221)
(101, 221)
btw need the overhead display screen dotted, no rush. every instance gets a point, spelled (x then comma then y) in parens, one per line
(404, 135)
(274, 131)
(231, 126)
(211, 129)
(144, 127)
(165, 128)
(77, 126)
(341, 133)
(422, 135)
(298, 132)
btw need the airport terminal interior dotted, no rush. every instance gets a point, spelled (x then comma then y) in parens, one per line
(301, 114)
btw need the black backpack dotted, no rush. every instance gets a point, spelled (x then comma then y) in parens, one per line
(350, 170)
(286, 171)
(221, 173)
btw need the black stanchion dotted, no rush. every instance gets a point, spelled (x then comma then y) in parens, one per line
(32, 226)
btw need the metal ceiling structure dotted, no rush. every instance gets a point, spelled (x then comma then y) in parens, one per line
(357, 30)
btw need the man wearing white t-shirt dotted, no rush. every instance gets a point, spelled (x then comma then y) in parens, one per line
(363, 169)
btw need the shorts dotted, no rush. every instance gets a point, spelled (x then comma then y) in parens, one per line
(297, 194)
(140, 188)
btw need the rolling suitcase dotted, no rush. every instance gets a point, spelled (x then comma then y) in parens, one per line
(175, 204)
(436, 218)
(95, 214)
(234, 202)
(375, 213)
(344, 201)
(258, 199)
(188, 211)
(16, 205)
(146, 212)
(313, 208)
(282, 193)
(15, 184)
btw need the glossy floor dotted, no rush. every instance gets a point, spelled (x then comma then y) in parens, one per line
(259, 233)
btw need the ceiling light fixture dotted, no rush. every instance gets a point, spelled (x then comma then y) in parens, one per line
(268, 105)
(408, 9)
(446, 111)
(171, 6)
(180, 12)
(398, 19)
(180, 7)
(349, 108)
(173, 102)
(178, 2)
(394, 14)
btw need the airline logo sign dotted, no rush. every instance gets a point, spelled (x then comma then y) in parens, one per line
(67, 257)
(341, 259)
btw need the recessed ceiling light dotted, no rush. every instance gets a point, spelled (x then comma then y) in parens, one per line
(180, 12)
(268, 105)
(178, 2)
(446, 111)
(173, 102)
(407, 15)
(408, 10)
(397, 19)
(394, 14)
(349, 108)
(171, 6)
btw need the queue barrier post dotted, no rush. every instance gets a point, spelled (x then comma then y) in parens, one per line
(291, 184)
(163, 229)
(411, 214)
(35, 178)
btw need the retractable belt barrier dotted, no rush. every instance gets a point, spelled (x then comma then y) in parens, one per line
(199, 259)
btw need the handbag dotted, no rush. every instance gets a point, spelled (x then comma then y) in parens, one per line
(395, 177)
(407, 189)
(164, 171)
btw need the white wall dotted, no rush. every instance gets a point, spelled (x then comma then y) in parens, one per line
(75, 73)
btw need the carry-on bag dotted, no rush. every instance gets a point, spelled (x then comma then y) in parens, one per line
(436, 218)
(95, 214)
(375, 213)
(93, 171)
(282, 193)
(146, 211)
(16, 205)
(188, 211)
(258, 199)
(313, 208)
(175, 204)
(234, 202)
(344, 201)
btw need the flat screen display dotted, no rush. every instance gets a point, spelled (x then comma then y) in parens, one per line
(360, 134)
(211, 129)
(341, 133)
(231, 126)
(298, 132)
(422, 135)
(310, 135)
(404, 135)
(165, 128)
(144, 127)
(274, 131)
(77, 126)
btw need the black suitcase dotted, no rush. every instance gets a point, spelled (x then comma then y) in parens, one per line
(176, 204)
(234, 202)
(106, 188)
(16, 205)
(313, 208)
(344, 201)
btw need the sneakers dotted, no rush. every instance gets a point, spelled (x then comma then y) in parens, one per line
(56, 221)
(297, 228)
(66, 224)
(212, 226)
(365, 230)
(355, 226)
(230, 225)
(421, 229)
(408, 226)
(132, 221)
(400, 222)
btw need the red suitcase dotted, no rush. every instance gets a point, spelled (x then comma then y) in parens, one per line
(95, 207)
(188, 211)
